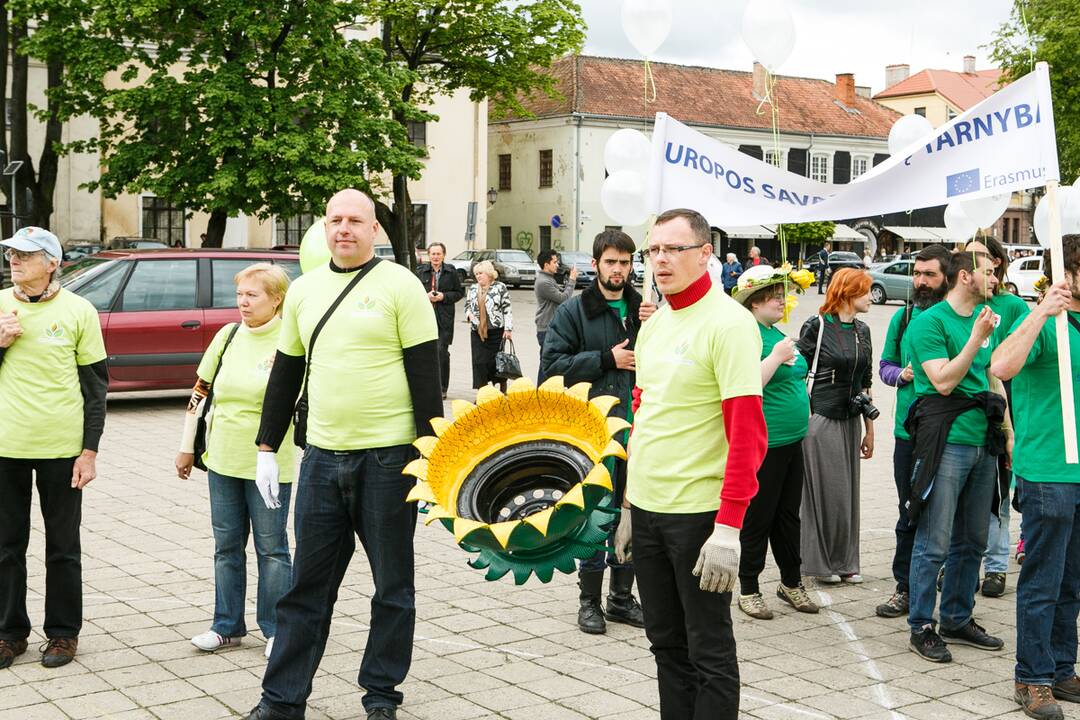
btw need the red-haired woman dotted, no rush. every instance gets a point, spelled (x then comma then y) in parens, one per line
(837, 347)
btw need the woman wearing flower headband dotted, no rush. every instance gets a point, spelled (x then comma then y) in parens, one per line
(773, 514)
(841, 429)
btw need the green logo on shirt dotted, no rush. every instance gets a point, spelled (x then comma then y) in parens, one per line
(366, 306)
(682, 347)
(53, 335)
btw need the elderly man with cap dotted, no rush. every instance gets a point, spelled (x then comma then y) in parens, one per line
(53, 381)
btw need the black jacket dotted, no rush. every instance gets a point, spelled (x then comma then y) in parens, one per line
(929, 421)
(450, 286)
(844, 366)
(579, 341)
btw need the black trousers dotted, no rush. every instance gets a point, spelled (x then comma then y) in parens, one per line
(61, 508)
(445, 338)
(689, 630)
(773, 518)
(905, 531)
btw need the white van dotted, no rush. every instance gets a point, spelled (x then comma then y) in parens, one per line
(1023, 274)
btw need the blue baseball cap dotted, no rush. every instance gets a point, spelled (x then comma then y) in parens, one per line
(32, 239)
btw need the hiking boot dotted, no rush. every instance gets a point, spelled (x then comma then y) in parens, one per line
(9, 650)
(57, 652)
(1068, 689)
(974, 635)
(622, 606)
(754, 606)
(796, 597)
(382, 713)
(927, 644)
(590, 617)
(1038, 702)
(993, 584)
(895, 606)
(261, 712)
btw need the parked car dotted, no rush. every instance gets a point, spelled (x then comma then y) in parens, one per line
(1022, 275)
(78, 250)
(891, 281)
(837, 260)
(134, 243)
(385, 252)
(583, 262)
(515, 267)
(637, 275)
(462, 262)
(160, 309)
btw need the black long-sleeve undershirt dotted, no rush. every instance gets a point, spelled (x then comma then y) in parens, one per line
(279, 400)
(94, 384)
(422, 373)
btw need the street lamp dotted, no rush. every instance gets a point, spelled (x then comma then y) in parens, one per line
(492, 195)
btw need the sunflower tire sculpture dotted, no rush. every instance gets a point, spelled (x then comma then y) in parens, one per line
(519, 478)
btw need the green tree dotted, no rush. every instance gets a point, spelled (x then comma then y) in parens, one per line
(227, 106)
(808, 232)
(1047, 30)
(497, 50)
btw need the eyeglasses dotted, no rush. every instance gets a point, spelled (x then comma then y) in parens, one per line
(21, 255)
(671, 250)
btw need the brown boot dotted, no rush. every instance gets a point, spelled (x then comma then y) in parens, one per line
(1038, 702)
(58, 652)
(9, 650)
(1068, 689)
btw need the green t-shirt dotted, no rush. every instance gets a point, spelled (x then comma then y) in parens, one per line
(1009, 308)
(688, 362)
(358, 395)
(41, 404)
(622, 308)
(900, 353)
(1039, 452)
(238, 399)
(939, 333)
(784, 400)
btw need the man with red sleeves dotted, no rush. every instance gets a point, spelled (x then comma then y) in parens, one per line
(690, 476)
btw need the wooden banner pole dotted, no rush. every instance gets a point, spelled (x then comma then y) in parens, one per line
(1061, 328)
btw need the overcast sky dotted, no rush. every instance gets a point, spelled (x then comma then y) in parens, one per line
(832, 36)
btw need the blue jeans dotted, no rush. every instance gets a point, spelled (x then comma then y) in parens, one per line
(236, 507)
(996, 558)
(953, 525)
(1048, 592)
(342, 496)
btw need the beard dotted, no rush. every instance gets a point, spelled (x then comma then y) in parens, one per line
(610, 284)
(926, 296)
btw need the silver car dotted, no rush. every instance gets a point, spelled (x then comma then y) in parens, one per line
(515, 267)
(891, 281)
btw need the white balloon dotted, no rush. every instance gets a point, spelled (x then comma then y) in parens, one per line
(646, 23)
(960, 227)
(769, 31)
(985, 211)
(716, 271)
(1068, 198)
(627, 149)
(906, 131)
(623, 197)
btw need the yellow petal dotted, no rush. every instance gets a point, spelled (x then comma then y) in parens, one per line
(417, 468)
(540, 520)
(440, 426)
(604, 403)
(574, 497)
(522, 384)
(461, 407)
(614, 449)
(599, 475)
(421, 491)
(426, 445)
(502, 530)
(616, 425)
(488, 393)
(463, 527)
(554, 384)
(437, 512)
(580, 391)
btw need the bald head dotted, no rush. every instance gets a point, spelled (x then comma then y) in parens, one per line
(351, 228)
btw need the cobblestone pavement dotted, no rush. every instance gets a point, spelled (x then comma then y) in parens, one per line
(482, 650)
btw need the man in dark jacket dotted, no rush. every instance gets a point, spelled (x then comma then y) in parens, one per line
(444, 289)
(823, 274)
(591, 339)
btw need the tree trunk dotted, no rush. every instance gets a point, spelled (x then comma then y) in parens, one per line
(5, 50)
(19, 116)
(49, 162)
(403, 245)
(215, 231)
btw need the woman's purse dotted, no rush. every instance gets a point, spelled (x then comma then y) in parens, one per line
(204, 410)
(507, 365)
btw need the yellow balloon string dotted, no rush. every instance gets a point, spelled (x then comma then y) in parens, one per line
(650, 83)
(772, 101)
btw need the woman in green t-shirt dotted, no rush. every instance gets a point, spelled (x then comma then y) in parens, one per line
(773, 514)
(236, 368)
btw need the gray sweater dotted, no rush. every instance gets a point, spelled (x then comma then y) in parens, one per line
(548, 298)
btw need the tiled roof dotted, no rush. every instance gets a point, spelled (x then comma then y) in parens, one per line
(705, 96)
(964, 90)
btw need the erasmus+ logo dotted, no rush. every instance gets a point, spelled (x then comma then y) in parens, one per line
(962, 183)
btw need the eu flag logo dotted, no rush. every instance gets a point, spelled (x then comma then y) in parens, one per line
(961, 183)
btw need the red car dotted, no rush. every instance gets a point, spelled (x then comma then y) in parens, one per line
(159, 309)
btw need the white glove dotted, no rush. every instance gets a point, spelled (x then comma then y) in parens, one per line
(266, 478)
(718, 563)
(622, 537)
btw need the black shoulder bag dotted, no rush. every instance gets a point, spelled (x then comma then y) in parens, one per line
(300, 412)
(200, 424)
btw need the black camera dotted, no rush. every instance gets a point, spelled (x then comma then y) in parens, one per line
(863, 405)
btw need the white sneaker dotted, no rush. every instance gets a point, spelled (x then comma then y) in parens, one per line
(210, 641)
(828, 579)
(269, 648)
(854, 578)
